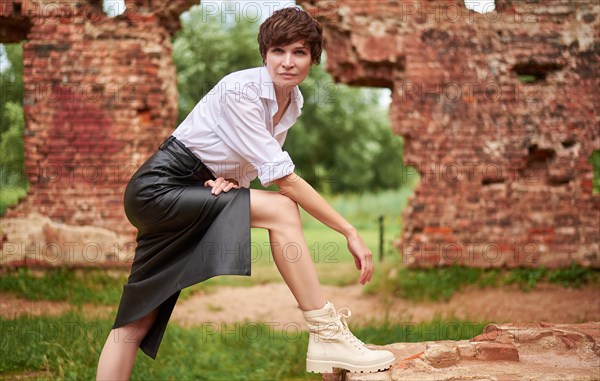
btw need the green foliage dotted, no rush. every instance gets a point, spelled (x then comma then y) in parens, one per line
(208, 48)
(573, 276)
(12, 156)
(595, 161)
(13, 184)
(10, 196)
(341, 143)
(11, 81)
(526, 278)
(440, 283)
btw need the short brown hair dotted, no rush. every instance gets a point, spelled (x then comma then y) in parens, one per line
(289, 25)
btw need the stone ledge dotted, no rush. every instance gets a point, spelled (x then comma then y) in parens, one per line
(516, 351)
(38, 241)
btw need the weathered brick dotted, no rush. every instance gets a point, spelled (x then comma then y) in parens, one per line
(442, 356)
(489, 351)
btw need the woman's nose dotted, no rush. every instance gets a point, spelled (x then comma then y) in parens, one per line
(288, 60)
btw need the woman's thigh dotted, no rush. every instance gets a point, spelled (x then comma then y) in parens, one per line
(271, 210)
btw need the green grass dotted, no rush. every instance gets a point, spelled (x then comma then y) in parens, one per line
(75, 286)
(412, 332)
(67, 347)
(572, 276)
(363, 210)
(440, 283)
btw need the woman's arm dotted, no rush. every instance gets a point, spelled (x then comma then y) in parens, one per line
(294, 187)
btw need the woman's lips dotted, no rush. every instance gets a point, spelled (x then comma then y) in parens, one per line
(287, 75)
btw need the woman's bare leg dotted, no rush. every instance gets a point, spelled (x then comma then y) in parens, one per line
(280, 215)
(118, 354)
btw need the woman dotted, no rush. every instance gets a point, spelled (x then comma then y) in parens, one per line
(191, 204)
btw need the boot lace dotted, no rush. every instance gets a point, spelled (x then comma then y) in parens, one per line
(345, 313)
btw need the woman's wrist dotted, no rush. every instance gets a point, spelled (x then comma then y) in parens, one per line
(350, 232)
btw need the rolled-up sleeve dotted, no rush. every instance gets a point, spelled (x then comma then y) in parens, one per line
(241, 125)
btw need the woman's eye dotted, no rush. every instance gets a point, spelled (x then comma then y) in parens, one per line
(301, 52)
(277, 50)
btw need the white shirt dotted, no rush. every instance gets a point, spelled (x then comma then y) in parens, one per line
(231, 129)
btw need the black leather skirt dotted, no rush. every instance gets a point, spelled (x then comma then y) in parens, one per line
(185, 235)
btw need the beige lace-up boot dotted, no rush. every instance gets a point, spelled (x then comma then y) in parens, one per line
(332, 345)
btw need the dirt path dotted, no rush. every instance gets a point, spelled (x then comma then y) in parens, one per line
(12, 307)
(275, 303)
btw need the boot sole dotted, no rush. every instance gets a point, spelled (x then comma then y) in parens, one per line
(317, 366)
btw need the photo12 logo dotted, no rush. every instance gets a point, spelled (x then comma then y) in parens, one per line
(470, 252)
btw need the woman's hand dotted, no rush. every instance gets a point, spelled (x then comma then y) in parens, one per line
(363, 258)
(221, 185)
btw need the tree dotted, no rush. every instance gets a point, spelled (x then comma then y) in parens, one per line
(342, 141)
(12, 122)
(205, 50)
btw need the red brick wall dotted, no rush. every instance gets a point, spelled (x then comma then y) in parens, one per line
(505, 178)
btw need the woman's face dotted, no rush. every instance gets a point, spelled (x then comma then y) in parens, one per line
(288, 65)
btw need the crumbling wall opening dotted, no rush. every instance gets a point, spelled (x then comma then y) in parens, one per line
(532, 71)
(539, 155)
(114, 8)
(14, 25)
(377, 74)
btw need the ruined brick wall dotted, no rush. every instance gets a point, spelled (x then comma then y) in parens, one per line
(99, 96)
(499, 116)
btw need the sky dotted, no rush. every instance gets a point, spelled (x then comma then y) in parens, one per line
(4, 64)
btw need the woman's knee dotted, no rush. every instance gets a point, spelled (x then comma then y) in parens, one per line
(274, 210)
(288, 213)
(287, 204)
